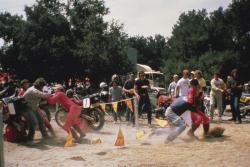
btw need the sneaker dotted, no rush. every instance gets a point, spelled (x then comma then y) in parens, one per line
(238, 122)
(150, 126)
(30, 143)
(167, 141)
(231, 119)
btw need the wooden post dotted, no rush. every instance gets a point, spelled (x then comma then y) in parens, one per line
(1, 136)
(136, 113)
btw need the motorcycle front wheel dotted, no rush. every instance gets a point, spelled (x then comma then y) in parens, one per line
(60, 117)
(98, 119)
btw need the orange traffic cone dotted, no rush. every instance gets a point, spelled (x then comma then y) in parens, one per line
(120, 138)
(69, 140)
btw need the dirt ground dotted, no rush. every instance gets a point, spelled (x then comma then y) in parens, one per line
(231, 150)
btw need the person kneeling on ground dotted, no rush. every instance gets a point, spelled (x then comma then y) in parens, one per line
(73, 109)
(172, 114)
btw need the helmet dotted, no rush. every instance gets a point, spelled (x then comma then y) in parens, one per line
(103, 85)
(70, 93)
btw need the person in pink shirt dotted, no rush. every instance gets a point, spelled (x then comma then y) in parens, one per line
(72, 120)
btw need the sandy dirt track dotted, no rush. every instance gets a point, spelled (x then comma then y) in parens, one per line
(231, 150)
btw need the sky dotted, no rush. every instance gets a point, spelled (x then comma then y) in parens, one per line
(139, 17)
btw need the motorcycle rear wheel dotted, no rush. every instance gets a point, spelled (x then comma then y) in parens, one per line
(96, 114)
(98, 119)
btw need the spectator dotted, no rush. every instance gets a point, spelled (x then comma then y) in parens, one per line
(128, 88)
(116, 95)
(7, 87)
(217, 90)
(172, 85)
(24, 85)
(202, 88)
(182, 85)
(192, 75)
(235, 87)
(141, 91)
(202, 82)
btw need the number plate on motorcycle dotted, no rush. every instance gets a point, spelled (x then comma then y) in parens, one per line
(11, 109)
(86, 103)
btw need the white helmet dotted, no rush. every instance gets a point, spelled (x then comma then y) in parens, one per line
(103, 85)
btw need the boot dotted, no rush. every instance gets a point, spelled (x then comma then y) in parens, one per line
(82, 135)
(191, 131)
(206, 130)
(74, 134)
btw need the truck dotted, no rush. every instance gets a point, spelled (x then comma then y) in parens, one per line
(156, 78)
(156, 81)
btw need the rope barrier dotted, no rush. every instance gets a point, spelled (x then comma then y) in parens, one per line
(119, 101)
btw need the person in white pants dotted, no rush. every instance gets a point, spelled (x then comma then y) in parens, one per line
(217, 90)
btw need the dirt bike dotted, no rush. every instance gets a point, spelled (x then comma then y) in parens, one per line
(163, 103)
(90, 111)
(244, 105)
(15, 118)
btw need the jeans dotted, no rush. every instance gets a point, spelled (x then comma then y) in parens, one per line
(130, 114)
(235, 100)
(34, 119)
(145, 106)
(118, 113)
(177, 122)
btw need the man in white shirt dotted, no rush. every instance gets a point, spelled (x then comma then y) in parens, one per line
(217, 90)
(182, 85)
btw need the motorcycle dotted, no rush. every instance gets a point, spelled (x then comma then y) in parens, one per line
(163, 103)
(91, 112)
(244, 105)
(14, 117)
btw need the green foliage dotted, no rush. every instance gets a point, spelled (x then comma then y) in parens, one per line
(58, 41)
(151, 50)
(218, 42)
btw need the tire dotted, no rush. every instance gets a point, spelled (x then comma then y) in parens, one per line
(24, 124)
(98, 117)
(60, 117)
(243, 110)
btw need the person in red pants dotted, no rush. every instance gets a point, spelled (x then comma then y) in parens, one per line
(73, 109)
(197, 117)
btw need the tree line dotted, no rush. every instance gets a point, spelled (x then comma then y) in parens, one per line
(58, 41)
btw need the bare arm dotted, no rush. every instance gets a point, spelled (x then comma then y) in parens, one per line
(177, 90)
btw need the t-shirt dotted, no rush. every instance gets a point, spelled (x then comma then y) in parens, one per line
(140, 83)
(202, 83)
(129, 85)
(232, 84)
(116, 93)
(184, 85)
(216, 85)
(33, 96)
(180, 105)
(172, 87)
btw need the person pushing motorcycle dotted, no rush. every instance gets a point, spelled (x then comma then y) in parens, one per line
(72, 120)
